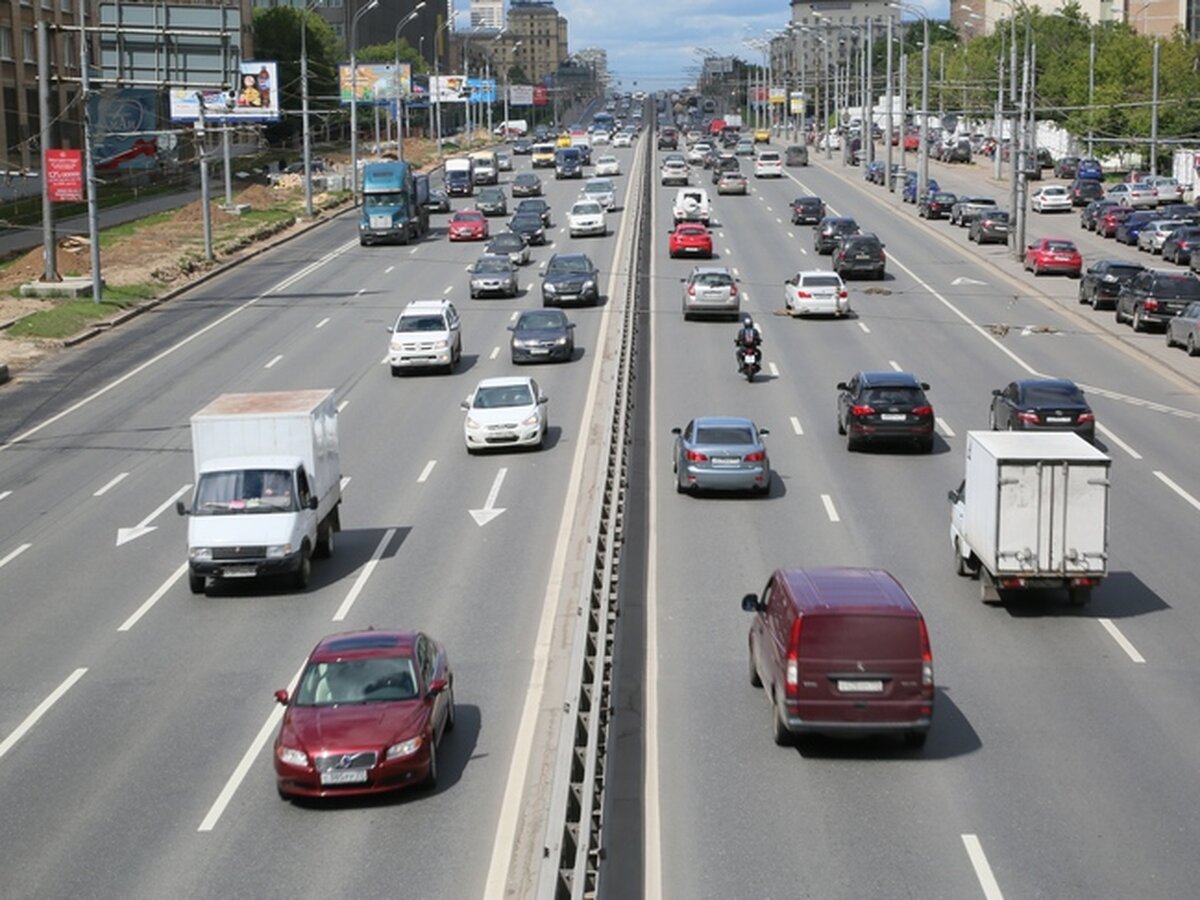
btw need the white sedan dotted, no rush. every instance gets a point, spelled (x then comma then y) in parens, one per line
(608, 166)
(816, 292)
(505, 412)
(1050, 198)
(1133, 194)
(622, 139)
(586, 217)
(602, 191)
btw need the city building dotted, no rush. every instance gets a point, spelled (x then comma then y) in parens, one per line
(542, 33)
(597, 58)
(977, 17)
(487, 14)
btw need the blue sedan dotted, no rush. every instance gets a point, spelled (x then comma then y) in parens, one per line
(721, 453)
(910, 187)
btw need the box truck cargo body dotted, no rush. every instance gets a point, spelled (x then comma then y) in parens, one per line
(1032, 512)
(268, 486)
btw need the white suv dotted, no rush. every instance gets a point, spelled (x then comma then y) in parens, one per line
(768, 163)
(427, 334)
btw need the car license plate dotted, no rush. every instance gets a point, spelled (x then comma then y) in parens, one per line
(239, 571)
(893, 417)
(860, 687)
(344, 776)
(725, 462)
(1058, 420)
(539, 351)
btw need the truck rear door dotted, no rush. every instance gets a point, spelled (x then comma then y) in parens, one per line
(1052, 518)
(1083, 535)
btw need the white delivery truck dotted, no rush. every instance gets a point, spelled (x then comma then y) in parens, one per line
(1032, 512)
(268, 486)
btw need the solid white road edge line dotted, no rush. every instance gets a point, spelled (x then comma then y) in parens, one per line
(1116, 440)
(42, 708)
(100, 492)
(514, 788)
(830, 509)
(1177, 489)
(14, 554)
(425, 472)
(1122, 641)
(361, 581)
(154, 598)
(154, 360)
(983, 871)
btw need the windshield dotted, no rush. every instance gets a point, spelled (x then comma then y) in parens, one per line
(1060, 246)
(561, 266)
(539, 321)
(427, 322)
(357, 681)
(713, 279)
(467, 217)
(894, 395)
(384, 200)
(492, 264)
(1052, 394)
(825, 281)
(502, 396)
(724, 434)
(244, 491)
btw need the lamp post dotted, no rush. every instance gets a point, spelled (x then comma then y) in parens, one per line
(923, 151)
(354, 98)
(396, 78)
(507, 66)
(304, 126)
(891, 99)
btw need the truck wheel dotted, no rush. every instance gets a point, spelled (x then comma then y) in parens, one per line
(1079, 596)
(325, 538)
(301, 576)
(196, 583)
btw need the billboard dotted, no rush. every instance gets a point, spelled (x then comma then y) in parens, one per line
(457, 89)
(778, 96)
(797, 103)
(64, 175)
(520, 95)
(126, 122)
(254, 99)
(376, 83)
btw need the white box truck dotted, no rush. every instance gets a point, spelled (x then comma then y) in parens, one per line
(1032, 512)
(268, 486)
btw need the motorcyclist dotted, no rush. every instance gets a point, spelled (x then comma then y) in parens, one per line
(749, 338)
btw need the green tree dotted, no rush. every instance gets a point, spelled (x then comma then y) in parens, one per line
(386, 53)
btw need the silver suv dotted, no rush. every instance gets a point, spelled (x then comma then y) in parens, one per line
(711, 291)
(427, 334)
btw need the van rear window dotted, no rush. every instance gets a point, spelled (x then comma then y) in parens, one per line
(855, 637)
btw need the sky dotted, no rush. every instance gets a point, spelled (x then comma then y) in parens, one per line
(653, 42)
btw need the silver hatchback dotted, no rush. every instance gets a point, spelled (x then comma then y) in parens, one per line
(711, 291)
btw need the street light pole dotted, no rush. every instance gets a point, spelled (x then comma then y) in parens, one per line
(891, 99)
(304, 126)
(354, 98)
(396, 79)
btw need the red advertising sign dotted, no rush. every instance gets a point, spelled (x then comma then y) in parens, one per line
(541, 96)
(64, 175)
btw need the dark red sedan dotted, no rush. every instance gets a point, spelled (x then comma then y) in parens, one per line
(1053, 255)
(367, 716)
(689, 239)
(468, 225)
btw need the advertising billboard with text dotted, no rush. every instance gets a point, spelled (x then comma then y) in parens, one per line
(255, 99)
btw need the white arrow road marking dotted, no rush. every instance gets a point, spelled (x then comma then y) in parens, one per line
(964, 280)
(42, 708)
(13, 555)
(112, 484)
(490, 511)
(125, 535)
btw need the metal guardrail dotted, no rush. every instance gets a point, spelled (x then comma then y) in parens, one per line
(572, 850)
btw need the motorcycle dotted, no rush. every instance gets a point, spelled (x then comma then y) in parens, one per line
(749, 364)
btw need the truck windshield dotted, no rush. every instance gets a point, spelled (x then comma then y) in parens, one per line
(245, 491)
(388, 200)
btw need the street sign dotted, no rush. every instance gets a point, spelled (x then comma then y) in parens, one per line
(64, 175)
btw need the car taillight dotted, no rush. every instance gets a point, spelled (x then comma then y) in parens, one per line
(757, 456)
(793, 657)
(1028, 417)
(691, 290)
(803, 295)
(926, 410)
(926, 657)
(1087, 417)
(1151, 303)
(843, 294)
(696, 456)
(861, 410)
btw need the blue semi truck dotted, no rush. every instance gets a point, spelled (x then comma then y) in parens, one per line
(394, 207)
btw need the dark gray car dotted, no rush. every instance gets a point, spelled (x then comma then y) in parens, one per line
(570, 278)
(491, 201)
(1184, 329)
(541, 335)
(829, 230)
(493, 275)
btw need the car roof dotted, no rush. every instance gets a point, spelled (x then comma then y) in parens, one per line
(364, 644)
(845, 589)
(724, 421)
(561, 256)
(426, 306)
(1063, 383)
(889, 379)
(506, 381)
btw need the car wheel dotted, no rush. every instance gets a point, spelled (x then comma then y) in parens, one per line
(302, 575)
(851, 443)
(396, 371)
(1192, 349)
(1079, 596)
(755, 681)
(960, 565)
(196, 583)
(779, 732)
(1139, 323)
(841, 428)
(1082, 295)
(1117, 314)
(1170, 340)
(431, 780)
(450, 714)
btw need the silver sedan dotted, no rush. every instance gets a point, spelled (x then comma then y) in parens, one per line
(721, 453)
(1184, 329)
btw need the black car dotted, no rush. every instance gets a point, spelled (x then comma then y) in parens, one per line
(438, 201)
(990, 226)
(1066, 167)
(535, 206)
(1042, 404)
(522, 147)
(807, 210)
(529, 226)
(1093, 211)
(1152, 297)
(570, 278)
(527, 184)
(1101, 281)
(860, 254)
(1084, 190)
(829, 229)
(935, 205)
(492, 202)
(885, 406)
(1179, 245)
(542, 335)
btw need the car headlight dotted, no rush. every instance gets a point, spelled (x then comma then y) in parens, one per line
(589, 285)
(292, 756)
(201, 554)
(532, 420)
(472, 424)
(441, 345)
(405, 748)
(279, 551)
(548, 287)
(562, 341)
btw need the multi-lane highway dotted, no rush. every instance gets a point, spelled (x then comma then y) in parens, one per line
(136, 718)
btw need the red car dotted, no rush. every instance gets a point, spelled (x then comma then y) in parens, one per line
(1053, 255)
(912, 141)
(690, 239)
(468, 225)
(367, 716)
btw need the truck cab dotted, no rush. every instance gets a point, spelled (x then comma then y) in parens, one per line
(459, 177)
(394, 204)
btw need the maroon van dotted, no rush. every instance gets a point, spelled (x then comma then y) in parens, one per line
(841, 651)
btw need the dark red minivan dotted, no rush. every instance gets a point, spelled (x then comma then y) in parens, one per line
(841, 651)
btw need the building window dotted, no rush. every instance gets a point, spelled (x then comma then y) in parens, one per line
(27, 45)
(65, 5)
(5, 42)
(70, 53)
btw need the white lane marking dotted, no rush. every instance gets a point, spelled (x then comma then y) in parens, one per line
(154, 360)
(467, 268)
(383, 361)
(778, 221)
(863, 326)
(830, 510)
(413, 250)
(946, 430)
(745, 295)
(514, 787)
(774, 369)
(361, 581)
(736, 273)
(495, 353)
(42, 708)
(125, 535)
(726, 252)
(983, 871)
(4, 494)
(448, 289)
(1122, 641)
(323, 322)
(273, 361)
(345, 481)
(425, 472)
(13, 555)
(791, 234)
(1177, 489)
(154, 598)
(100, 492)
(360, 292)
(895, 365)
(1136, 401)
(513, 317)
(796, 425)
(388, 270)
(247, 760)
(343, 405)
(1116, 440)
(542, 264)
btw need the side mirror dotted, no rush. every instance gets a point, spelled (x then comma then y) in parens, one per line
(924, 386)
(437, 686)
(180, 508)
(313, 502)
(676, 431)
(570, 325)
(952, 496)
(842, 386)
(764, 431)
(466, 404)
(750, 603)
(281, 697)
(543, 399)
(996, 392)
(510, 327)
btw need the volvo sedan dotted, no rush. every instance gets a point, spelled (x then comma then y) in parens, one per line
(721, 453)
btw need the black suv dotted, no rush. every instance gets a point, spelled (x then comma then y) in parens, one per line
(860, 253)
(1154, 296)
(829, 229)
(807, 210)
(570, 278)
(885, 406)
(1102, 281)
